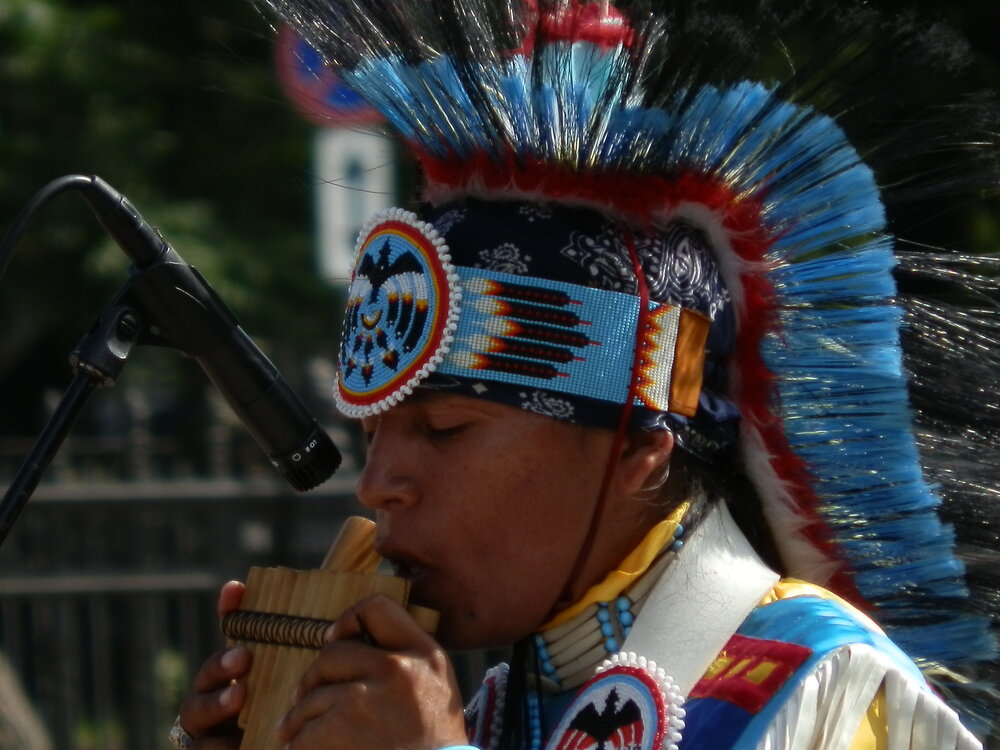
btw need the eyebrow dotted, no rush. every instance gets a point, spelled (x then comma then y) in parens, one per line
(423, 396)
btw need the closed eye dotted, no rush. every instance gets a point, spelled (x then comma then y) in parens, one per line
(445, 429)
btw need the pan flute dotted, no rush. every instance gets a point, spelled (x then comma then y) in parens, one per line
(285, 613)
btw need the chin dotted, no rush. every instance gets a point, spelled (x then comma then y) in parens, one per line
(463, 624)
(454, 637)
(467, 632)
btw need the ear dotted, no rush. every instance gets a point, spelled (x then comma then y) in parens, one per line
(642, 454)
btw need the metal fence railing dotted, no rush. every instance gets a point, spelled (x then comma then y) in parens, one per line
(109, 578)
(107, 604)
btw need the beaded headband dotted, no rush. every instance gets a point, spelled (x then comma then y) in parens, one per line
(411, 313)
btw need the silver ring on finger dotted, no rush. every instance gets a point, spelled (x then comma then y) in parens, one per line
(178, 737)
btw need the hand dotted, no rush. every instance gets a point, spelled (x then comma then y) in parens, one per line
(394, 690)
(209, 714)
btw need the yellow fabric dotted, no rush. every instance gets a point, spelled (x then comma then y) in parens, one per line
(634, 565)
(689, 363)
(873, 733)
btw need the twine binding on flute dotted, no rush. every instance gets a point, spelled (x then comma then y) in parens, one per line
(276, 629)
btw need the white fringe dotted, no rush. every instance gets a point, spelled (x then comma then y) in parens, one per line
(827, 709)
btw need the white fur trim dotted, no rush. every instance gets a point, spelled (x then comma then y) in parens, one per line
(802, 559)
(800, 556)
(731, 266)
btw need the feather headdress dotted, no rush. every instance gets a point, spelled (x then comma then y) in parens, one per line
(785, 139)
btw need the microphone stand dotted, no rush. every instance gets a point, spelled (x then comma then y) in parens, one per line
(97, 361)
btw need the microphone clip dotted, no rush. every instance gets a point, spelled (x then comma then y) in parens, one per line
(104, 349)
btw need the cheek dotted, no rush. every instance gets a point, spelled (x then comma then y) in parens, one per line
(521, 520)
(531, 511)
(567, 476)
(541, 487)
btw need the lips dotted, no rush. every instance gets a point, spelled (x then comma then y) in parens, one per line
(404, 563)
(406, 569)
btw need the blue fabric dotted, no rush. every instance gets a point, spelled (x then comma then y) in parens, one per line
(607, 325)
(819, 626)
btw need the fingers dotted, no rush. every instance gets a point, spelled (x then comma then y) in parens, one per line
(317, 705)
(402, 700)
(212, 713)
(350, 688)
(209, 713)
(230, 597)
(222, 668)
(215, 743)
(382, 622)
(218, 698)
(385, 690)
(374, 637)
(344, 662)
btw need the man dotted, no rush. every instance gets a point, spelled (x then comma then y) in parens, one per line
(648, 292)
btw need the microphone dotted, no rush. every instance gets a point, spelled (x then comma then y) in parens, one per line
(186, 314)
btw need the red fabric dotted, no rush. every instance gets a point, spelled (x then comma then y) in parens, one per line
(749, 672)
(594, 22)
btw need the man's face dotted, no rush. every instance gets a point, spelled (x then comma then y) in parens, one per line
(483, 507)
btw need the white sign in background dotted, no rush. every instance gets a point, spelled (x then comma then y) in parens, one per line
(356, 176)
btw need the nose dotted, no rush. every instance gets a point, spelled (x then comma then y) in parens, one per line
(388, 480)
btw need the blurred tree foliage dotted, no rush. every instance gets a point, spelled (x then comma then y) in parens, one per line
(176, 105)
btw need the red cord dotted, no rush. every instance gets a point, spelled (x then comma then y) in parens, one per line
(623, 423)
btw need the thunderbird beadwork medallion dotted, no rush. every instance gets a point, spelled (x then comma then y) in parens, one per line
(402, 311)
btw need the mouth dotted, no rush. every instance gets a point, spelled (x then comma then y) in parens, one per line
(418, 577)
(406, 569)
(403, 565)
(425, 580)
